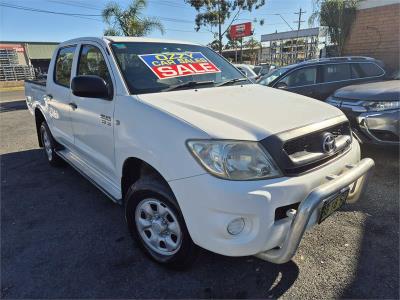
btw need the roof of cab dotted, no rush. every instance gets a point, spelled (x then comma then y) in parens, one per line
(125, 39)
(144, 40)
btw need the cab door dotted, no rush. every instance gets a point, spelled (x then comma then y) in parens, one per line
(93, 118)
(58, 96)
(301, 81)
(333, 77)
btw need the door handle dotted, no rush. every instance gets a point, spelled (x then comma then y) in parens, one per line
(73, 105)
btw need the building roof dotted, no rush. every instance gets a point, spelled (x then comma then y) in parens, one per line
(29, 42)
(290, 34)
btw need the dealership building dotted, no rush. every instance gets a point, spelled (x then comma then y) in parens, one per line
(20, 60)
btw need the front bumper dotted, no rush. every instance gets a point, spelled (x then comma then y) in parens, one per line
(208, 204)
(381, 128)
(356, 174)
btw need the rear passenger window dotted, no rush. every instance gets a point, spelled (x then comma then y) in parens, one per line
(304, 76)
(62, 74)
(335, 72)
(91, 62)
(370, 70)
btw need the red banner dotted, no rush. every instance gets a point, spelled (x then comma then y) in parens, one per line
(240, 30)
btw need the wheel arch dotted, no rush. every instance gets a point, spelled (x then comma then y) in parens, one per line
(134, 168)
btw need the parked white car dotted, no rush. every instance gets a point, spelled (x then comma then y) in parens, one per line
(198, 154)
(247, 70)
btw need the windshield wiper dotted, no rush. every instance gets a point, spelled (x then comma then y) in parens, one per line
(187, 84)
(234, 80)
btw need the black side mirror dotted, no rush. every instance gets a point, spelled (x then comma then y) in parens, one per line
(281, 85)
(90, 86)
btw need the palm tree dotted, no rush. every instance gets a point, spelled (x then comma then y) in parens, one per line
(129, 21)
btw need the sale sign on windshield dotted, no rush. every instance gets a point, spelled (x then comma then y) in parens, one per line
(177, 64)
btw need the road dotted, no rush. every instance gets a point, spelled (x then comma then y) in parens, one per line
(62, 238)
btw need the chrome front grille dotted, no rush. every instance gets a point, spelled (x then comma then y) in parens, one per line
(308, 151)
(312, 142)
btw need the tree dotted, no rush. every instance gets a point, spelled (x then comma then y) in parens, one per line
(254, 47)
(129, 21)
(214, 45)
(231, 44)
(337, 16)
(215, 13)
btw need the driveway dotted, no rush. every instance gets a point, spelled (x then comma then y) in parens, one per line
(62, 238)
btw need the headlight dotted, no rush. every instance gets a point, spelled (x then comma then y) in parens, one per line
(234, 160)
(381, 105)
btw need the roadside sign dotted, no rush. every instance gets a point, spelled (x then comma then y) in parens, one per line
(240, 30)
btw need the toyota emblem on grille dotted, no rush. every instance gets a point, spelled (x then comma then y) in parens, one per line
(328, 142)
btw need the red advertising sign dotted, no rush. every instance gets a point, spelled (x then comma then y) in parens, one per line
(240, 30)
(177, 64)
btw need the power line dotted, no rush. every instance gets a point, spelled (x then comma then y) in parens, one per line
(86, 16)
(74, 4)
(81, 16)
(44, 11)
(284, 21)
(168, 3)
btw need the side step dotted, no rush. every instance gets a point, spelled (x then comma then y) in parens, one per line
(95, 177)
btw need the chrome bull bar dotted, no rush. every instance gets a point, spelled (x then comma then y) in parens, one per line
(355, 176)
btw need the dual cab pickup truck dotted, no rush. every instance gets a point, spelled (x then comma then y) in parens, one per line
(198, 154)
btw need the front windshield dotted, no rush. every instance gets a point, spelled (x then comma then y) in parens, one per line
(271, 76)
(157, 67)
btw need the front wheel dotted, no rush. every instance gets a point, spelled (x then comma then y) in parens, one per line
(156, 223)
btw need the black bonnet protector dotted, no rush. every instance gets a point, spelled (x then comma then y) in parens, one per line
(300, 150)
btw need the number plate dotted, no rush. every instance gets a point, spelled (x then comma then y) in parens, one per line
(333, 204)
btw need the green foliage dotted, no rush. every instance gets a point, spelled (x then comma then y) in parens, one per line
(231, 44)
(254, 48)
(129, 21)
(214, 45)
(337, 16)
(215, 13)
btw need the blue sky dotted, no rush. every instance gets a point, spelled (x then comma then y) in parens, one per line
(20, 25)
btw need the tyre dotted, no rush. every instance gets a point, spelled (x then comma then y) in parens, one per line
(49, 146)
(156, 223)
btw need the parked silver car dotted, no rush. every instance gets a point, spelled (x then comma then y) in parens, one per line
(373, 110)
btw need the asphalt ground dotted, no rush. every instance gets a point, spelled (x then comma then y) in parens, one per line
(62, 238)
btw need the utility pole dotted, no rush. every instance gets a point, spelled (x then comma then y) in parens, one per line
(298, 29)
(300, 20)
(219, 28)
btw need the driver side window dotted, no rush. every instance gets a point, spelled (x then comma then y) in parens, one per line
(92, 62)
(304, 76)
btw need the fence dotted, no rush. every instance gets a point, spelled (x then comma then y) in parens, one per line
(11, 70)
(15, 73)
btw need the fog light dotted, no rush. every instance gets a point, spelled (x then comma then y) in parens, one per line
(236, 226)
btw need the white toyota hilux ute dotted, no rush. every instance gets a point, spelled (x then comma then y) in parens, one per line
(198, 154)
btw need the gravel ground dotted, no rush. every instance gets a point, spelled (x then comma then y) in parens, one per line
(62, 238)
